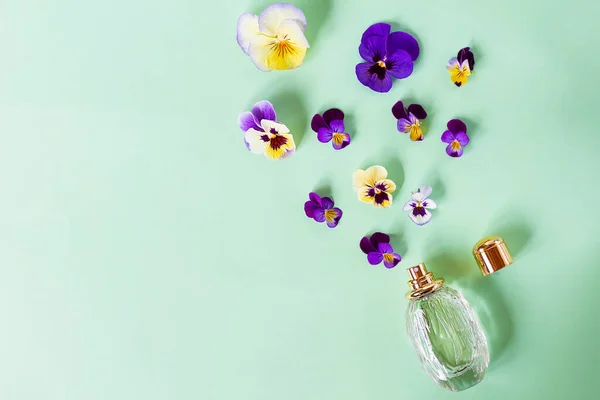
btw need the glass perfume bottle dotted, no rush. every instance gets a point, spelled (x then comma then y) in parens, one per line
(445, 332)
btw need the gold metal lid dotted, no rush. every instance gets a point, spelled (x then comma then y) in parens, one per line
(422, 282)
(491, 255)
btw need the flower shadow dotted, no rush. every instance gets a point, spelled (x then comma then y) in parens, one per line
(516, 231)
(316, 12)
(473, 126)
(439, 188)
(291, 111)
(399, 243)
(323, 188)
(350, 125)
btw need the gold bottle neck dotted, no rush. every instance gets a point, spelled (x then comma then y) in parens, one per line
(422, 282)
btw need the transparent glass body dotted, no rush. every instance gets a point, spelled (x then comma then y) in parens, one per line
(447, 336)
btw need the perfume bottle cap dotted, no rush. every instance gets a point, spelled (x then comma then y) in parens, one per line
(491, 255)
(421, 282)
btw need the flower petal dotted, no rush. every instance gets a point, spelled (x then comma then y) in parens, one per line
(462, 138)
(366, 195)
(420, 218)
(310, 208)
(291, 29)
(379, 237)
(271, 17)
(454, 153)
(333, 217)
(400, 65)
(246, 121)
(409, 205)
(428, 203)
(324, 135)
(332, 115)
(366, 246)
(399, 111)
(389, 264)
(259, 50)
(371, 80)
(340, 140)
(270, 53)
(452, 64)
(373, 49)
(264, 110)
(319, 214)
(375, 258)
(416, 133)
(318, 122)
(386, 185)
(379, 29)
(273, 127)
(417, 110)
(247, 29)
(456, 125)
(315, 198)
(403, 41)
(327, 203)
(382, 200)
(385, 248)
(403, 125)
(281, 148)
(466, 54)
(448, 137)
(426, 191)
(358, 180)
(374, 174)
(337, 125)
(256, 141)
(418, 197)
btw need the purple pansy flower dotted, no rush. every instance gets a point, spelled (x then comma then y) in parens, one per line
(330, 126)
(456, 137)
(461, 67)
(322, 209)
(387, 55)
(378, 249)
(419, 206)
(409, 119)
(251, 119)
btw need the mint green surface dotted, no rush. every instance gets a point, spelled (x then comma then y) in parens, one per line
(146, 254)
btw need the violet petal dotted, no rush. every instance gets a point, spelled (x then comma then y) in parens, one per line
(333, 114)
(246, 121)
(399, 64)
(366, 246)
(417, 110)
(310, 208)
(333, 222)
(373, 49)
(340, 140)
(454, 153)
(379, 237)
(398, 110)
(264, 110)
(337, 125)
(380, 29)
(319, 214)
(462, 138)
(385, 248)
(456, 125)
(324, 135)
(448, 137)
(318, 122)
(403, 41)
(372, 80)
(315, 198)
(403, 125)
(375, 258)
(327, 203)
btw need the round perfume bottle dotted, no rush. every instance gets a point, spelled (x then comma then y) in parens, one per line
(445, 332)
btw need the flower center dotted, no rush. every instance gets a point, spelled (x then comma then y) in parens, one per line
(277, 141)
(387, 257)
(381, 63)
(330, 214)
(283, 47)
(455, 145)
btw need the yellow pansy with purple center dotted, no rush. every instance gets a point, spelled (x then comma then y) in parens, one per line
(456, 137)
(409, 119)
(461, 67)
(373, 187)
(378, 249)
(263, 134)
(330, 128)
(275, 39)
(322, 209)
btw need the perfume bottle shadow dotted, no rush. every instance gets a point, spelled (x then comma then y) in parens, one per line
(483, 295)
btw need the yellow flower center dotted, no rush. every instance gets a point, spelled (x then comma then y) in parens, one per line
(283, 48)
(455, 145)
(330, 214)
(387, 257)
(381, 63)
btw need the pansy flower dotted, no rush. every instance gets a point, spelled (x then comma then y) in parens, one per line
(456, 137)
(275, 39)
(378, 249)
(460, 68)
(409, 119)
(251, 119)
(419, 206)
(372, 186)
(322, 209)
(387, 55)
(330, 127)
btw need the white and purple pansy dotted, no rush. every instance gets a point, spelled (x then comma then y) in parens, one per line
(330, 128)
(419, 206)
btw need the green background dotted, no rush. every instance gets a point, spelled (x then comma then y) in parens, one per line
(146, 254)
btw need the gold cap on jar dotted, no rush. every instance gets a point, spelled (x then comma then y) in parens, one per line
(422, 282)
(491, 255)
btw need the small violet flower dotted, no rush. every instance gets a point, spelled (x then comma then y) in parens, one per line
(275, 39)
(263, 134)
(419, 204)
(456, 137)
(460, 68)
(372, 186)
(387, 55)
(378, 249)
(330, 126)
(409, 119)
(321, 209)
